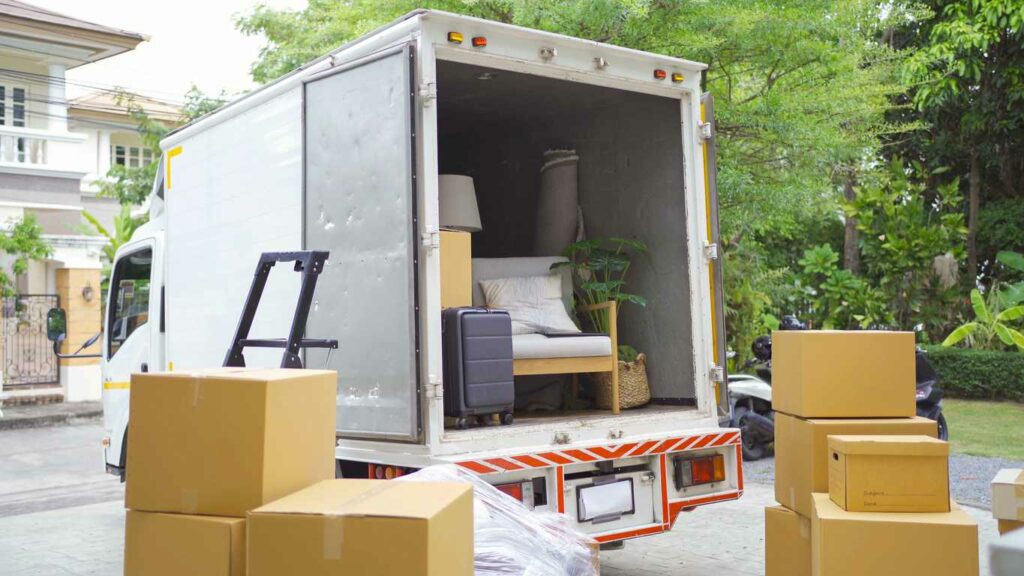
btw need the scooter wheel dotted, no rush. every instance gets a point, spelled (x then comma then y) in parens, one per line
(507, 418)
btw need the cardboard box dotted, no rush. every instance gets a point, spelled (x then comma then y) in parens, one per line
(1007, 526)
(1008, 494)
(1007, 555)
(222, 442)
(157, 544)
(862, 543)
(801, 452)
(888, 473)
(835, 374)
(787, 543)
(365, 527)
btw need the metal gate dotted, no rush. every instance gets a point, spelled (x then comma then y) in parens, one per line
(28, 358)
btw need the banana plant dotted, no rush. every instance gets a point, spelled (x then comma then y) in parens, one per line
(990, 323)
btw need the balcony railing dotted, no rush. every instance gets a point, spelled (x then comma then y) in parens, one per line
(33, 148)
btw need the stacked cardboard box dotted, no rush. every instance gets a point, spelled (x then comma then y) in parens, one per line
(206, 447)
(830, 383)
(1008, 499)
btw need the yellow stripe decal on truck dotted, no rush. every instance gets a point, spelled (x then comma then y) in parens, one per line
(116, 385)
(171, 154)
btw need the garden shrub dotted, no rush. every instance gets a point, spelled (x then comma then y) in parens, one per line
(988, 374)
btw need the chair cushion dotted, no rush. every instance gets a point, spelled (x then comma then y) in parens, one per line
(492, 268)
(540, 346)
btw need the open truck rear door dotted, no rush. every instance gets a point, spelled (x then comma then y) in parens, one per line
(360, 204)
(714, 247)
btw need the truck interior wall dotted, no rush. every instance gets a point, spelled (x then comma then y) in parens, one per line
(631, 185)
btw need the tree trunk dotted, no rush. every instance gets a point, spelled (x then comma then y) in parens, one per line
(974, 199)
(851, 236)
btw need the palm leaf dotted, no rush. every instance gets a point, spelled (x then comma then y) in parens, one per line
(980, 310)
(1011, 314)
(1014, 260)
(1018, 338)
(960, 333)
(1004, 334)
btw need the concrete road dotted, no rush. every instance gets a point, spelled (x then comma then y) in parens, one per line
(61, 515)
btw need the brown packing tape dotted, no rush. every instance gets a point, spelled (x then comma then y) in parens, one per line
(334, 520)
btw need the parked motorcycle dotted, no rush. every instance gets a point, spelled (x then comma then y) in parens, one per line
(929, 395)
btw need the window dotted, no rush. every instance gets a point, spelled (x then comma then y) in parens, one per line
(129, 300)
(131, 156)
(12, 105)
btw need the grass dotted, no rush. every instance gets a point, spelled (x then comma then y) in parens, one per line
(985, 428)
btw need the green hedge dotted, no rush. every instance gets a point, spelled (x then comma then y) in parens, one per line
(985, 374)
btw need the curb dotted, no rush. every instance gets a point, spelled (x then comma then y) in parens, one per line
(18, 423)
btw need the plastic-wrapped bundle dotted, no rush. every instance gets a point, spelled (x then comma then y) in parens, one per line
(511, 540)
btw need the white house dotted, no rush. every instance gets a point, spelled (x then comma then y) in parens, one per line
(51, 151)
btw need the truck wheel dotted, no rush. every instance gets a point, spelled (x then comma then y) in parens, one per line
(461, 423)
(507, 418)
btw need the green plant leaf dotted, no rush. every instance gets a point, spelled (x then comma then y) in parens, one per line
(1004, 334)
(1011, 314)
(627, 353)
(1018, 338)
(980, 309)
(1013, 260)
(956, 336)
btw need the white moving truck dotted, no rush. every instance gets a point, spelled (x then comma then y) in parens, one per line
(344, 155)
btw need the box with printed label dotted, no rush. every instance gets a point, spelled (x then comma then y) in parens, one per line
(1008, 494)
(158, 544)
(839, 374)
(787, 543)
(889, 473)
(222, 442)
(801, 451)
(867, 543)
(365, 527)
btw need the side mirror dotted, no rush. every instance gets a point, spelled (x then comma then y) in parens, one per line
(56, 325)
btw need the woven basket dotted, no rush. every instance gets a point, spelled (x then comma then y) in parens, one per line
(633, 388)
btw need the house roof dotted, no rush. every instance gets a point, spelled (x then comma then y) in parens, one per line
(31, 12)
(27, 29)
(106, 104)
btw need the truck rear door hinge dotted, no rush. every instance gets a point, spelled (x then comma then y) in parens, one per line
(428, 93)
(706, 131)
(434, 388)
(431, 238)
(710, 251)
(716, 373)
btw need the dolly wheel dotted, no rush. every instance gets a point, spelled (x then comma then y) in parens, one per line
(507, 418)
(461, 423)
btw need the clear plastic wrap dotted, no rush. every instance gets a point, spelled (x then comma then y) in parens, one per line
(511, 540)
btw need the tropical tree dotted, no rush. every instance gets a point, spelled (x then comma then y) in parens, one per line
(990, 326)
(23, 241)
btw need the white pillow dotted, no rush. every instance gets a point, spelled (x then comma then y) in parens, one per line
(534, 303)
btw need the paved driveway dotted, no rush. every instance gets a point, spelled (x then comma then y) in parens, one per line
(60, 515)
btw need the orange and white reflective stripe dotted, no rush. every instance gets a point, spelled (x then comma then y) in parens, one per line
(599, 453)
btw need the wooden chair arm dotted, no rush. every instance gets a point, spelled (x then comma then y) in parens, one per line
(613, 335)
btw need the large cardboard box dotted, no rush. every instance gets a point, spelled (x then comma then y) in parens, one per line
(801, 452)
(836, 374)
(1008, 494)
(889, 473)
(158, 544)
(864, 543)
(222, 442)
(1006, 526)
(365, 527)
(787, 543)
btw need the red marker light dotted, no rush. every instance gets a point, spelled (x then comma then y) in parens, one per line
(479, 41)
(660, 74)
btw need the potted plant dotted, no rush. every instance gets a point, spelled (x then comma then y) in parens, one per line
(599, 268)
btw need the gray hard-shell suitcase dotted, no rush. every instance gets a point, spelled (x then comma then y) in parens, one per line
(477, 350)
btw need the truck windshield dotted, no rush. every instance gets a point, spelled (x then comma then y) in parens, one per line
(129, 302)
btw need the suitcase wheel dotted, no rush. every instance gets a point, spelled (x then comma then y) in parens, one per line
(507, 418)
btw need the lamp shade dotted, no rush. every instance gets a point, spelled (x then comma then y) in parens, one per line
(458, 203)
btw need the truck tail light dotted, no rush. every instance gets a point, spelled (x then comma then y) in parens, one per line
(698, 471)
(660, 74)
(514, 490)
(455, 37)
(479, 41)
(523, 491)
